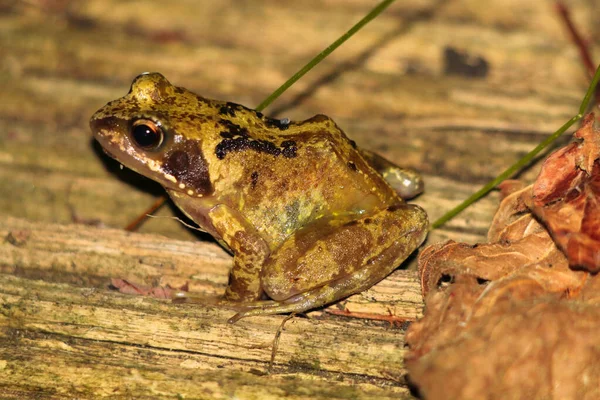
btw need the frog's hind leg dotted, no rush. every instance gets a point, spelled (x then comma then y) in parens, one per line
(314, 298)
(373, 247)
(327, 293)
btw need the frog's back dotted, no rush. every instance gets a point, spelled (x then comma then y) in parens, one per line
(285, 176)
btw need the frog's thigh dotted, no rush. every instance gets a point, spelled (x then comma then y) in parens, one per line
(319, 266)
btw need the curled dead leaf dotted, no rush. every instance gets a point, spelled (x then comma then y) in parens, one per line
(566, 197)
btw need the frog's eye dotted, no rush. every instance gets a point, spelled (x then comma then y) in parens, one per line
(147, 134)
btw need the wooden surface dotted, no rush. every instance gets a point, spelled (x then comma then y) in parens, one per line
(63, 333)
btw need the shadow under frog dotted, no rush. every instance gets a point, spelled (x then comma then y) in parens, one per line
(308, 216)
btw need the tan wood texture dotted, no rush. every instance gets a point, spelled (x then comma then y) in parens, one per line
(65, 334)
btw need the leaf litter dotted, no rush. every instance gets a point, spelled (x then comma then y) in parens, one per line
(519, 316)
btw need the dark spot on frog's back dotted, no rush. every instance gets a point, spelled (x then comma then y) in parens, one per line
(187, 164)
(254, 179)
(352, 166)
(232, 129)
(288, 148)
(229, 109)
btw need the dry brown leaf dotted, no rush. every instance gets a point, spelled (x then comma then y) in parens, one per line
(159, 292)
(513, 220)
(489, 261)
(517, 241)
(537, 348)
(566, 197)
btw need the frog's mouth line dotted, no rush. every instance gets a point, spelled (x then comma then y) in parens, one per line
(108, 153)
(111, 155)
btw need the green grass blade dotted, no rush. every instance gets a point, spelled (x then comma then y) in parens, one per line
(370, 16)
(523, 161)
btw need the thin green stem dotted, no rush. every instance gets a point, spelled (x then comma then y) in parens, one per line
(371, 15)
(523, 161)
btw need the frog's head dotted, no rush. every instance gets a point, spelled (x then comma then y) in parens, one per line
(148, 131)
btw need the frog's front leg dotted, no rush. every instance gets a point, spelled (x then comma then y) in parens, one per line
(235, 232)
(250, 252)
(330, 260)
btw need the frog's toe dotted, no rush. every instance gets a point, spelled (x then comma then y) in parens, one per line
(254, 312)
(236, 318)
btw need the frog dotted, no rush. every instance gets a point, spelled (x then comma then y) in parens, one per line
(309, 217)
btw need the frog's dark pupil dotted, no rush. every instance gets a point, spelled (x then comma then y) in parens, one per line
(145, 136)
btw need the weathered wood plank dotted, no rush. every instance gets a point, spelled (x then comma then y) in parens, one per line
(69, 318)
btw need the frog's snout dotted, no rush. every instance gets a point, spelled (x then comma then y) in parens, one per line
(106, 126)
(95, 125)
(108, 131)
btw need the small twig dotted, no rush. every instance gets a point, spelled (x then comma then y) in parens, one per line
(182, 222)
(276, 341)
(393, 320)
(581, 44)
(133, 225)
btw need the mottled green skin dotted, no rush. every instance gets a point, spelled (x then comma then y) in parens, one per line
(308, 219)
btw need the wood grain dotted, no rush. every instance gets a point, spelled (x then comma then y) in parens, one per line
(64, 334)
(57, 312)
